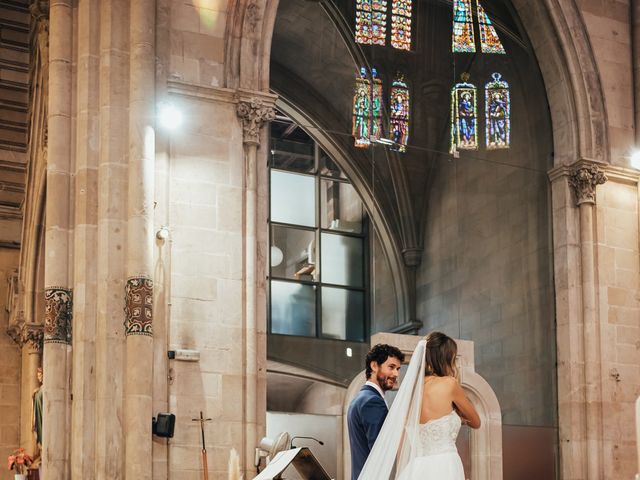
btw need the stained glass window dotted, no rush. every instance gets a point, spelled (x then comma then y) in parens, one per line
(401, 24)
(363, 21)
(371, 21)
(376, 106)
(362, 110)
(498, 113)
(462, 40)
(464, 116)
(489, 41)
(399, 114)
(378, 21)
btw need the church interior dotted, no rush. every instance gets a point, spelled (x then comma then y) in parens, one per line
(210, 211)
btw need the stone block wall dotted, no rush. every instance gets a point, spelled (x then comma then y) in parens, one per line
(10, 363)
(486, 277)
(204, 196)
(619, 291)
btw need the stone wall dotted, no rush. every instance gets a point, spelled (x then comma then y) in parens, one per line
(486, 277)
(10, 363)
(619, 292)
(205, 218)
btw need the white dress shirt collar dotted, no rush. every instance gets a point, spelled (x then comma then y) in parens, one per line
(378, 389)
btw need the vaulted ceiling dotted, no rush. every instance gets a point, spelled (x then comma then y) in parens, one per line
(14, 100)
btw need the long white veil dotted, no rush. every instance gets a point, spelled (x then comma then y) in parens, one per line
(397, 442)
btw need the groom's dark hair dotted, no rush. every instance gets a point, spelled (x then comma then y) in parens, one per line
(379, 354)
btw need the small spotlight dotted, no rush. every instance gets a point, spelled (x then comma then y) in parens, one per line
(349, 352)
(635, 159)
(169, 116)
(163, 233)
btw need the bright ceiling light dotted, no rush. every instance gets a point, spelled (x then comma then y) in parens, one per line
(169, 116)
(635, 159)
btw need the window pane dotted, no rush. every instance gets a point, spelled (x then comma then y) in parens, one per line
(328, 167)
(293, 198)
(293, 309)
(291, 147)
(342, 314)
(342, 260)
(293, 253)
(341, 207)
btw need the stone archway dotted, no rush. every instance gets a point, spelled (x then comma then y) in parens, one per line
(573, 87)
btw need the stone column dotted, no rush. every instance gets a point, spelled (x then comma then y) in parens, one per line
(253, 113)
(635, 63)
(29, 337)
(58, 296)
(139, 288)
(583, 179)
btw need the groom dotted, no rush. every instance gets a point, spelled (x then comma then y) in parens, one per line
(369, 409)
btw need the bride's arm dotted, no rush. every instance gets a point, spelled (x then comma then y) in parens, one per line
(464, 407)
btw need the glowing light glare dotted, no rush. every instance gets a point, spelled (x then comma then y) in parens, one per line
(169, 116)
(349, 352)
(635, 159)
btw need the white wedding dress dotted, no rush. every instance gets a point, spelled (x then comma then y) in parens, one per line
(408, 450)
(437, 455)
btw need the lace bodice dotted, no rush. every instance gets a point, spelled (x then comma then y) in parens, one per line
(439, 435)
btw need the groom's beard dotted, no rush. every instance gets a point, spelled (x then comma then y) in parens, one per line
(386, 383)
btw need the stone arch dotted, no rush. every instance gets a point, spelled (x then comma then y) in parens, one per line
(572, 82)
(556, 29)
(486, 442)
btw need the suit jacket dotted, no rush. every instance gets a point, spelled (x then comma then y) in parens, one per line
(365, 417)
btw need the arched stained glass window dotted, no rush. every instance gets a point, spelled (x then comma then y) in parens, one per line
(399, 113)
(376, 106)
(463, 40)
(371, 21)
(362, 110)
(489, 40)
(498, 113)
(464, 116)
(401, 24)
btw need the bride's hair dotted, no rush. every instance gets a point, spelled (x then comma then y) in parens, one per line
(440, 355)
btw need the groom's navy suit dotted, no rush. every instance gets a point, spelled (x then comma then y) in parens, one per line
(365, 418)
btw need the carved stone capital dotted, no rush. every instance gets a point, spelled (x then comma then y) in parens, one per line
(27, 334)
(254, 113)
(583, 179)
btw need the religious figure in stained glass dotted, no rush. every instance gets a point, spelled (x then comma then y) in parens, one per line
(362, 110)
(463, 39)
(498, 113)
(376, 106)
(489, 40)
(401, 24)
(464, 116)
(399, 114)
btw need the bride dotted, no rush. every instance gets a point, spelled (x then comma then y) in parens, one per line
(419, 435)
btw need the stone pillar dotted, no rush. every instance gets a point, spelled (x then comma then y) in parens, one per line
(253, 113)
(635, 63)
(58, 296)
(29, 337)
(139, 288)
(583, 179)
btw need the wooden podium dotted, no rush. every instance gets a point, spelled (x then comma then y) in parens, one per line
(305, 463)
